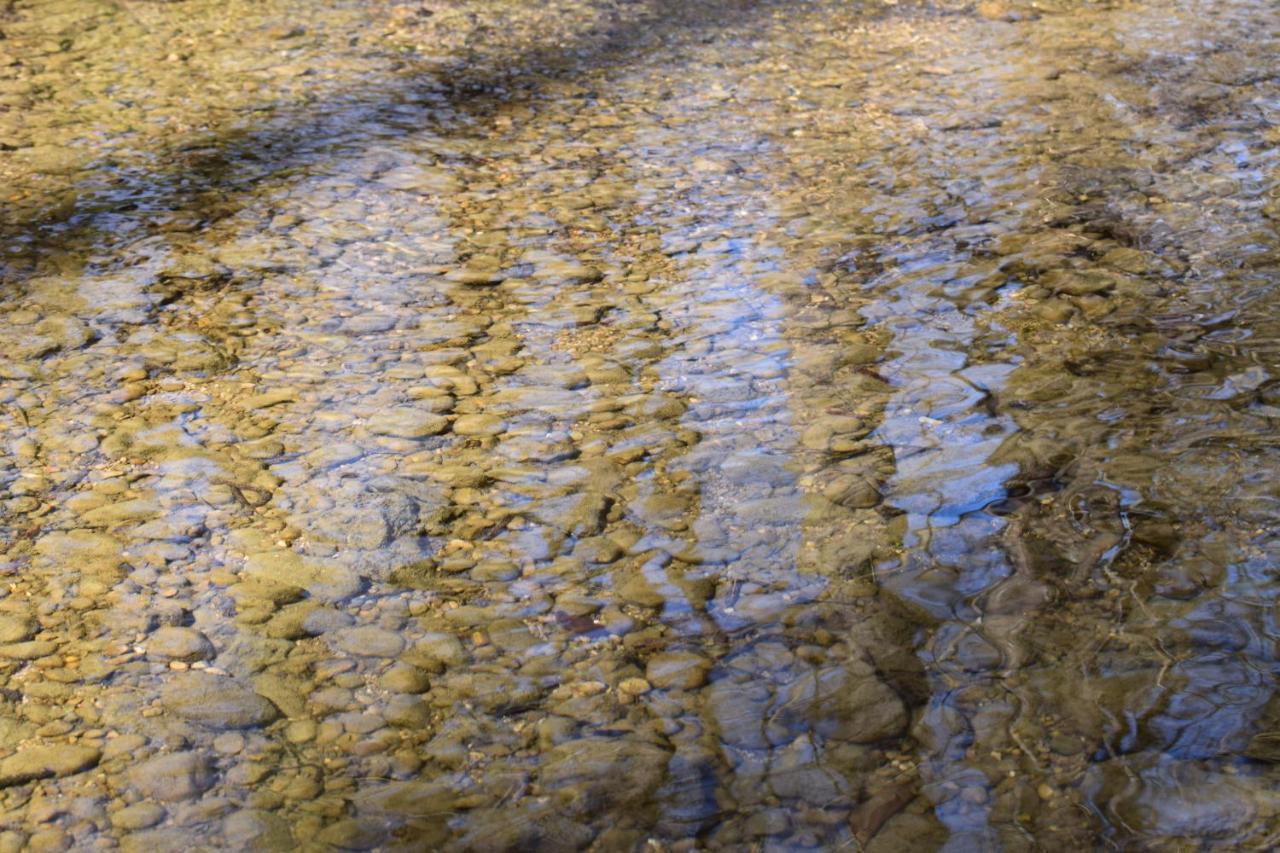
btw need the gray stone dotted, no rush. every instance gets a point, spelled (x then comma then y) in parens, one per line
(369, 640)
(174, 777)
(254, 829)
(739, 712)
(322, 620)
(593, 773)
(843, 702)
(420, 798)
(349, 527)
(216, 702)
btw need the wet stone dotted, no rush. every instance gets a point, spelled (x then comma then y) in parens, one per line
(1264, 746)
(138, 816)
(406, 422)
(289, 623)
(1078, 282)
(584, 774)
(479, 271)
(739, 712)
(353, 834)
(368, 324)
(43, 762)
(158, 838)
(637, 588)
(216, 702)
(96, 553)
(843, 703)
(257, 829)
(369, 640)
(323, 620)
(184, 644)
(403, 678)
(122, 746)
(268, 399)
(325, 579)
(350, 527)
(478, 425)
(407, 712)
(124, 512)
(30, 650)
(437, 651)
(677, 670)
(173, 777)
(14, 629)
(494, 692)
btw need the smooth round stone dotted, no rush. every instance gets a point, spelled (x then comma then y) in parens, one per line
(15, 629)
(44, 762)
(138, 816)
(677, 670)
(590, 768)
(322, 620)
(407, 422)
(174, 777)
(353, 834)
(350, 527)
(91, 553)
(123, 746)
(403, 678)
(437, 651)
(300, 731)
(370, 641)
(185, 644)
(408, 712)
(324, 579)
(257, 830)
(478, 425)
(634, 686)
(51, 840)
(216, 702)
(229, 743)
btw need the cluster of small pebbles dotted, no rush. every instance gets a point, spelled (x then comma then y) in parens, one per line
(637, 425)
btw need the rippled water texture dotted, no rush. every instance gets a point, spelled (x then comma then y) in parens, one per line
(639, 425)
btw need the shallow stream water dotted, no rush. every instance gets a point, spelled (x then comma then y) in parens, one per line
(639, 425)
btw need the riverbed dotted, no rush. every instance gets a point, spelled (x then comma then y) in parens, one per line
(639, 425)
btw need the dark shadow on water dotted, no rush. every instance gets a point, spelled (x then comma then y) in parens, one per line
(212, 175)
